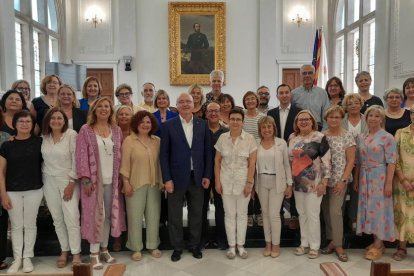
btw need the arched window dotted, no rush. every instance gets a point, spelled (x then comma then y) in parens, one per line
(354, 40)
(37, 39)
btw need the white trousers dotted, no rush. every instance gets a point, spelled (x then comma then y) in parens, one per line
(271, 201)
(235, 218)
(94, 248)
(65, 214)
(309, 206)
(23, 215)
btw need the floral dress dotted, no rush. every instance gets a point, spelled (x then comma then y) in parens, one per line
(375, 211)
(403, 200)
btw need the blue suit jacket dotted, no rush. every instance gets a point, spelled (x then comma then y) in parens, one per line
(176, 153)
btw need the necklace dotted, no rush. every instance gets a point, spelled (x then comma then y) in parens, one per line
(105, 147)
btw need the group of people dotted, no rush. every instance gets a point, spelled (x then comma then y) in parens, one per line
(127, 163)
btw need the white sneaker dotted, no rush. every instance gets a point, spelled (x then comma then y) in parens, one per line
(27, 265)
(15, 266)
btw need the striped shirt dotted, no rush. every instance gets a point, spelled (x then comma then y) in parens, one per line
(251, 124)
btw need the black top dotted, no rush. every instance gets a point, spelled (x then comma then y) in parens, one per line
(24, 160)
(5, 128)
(392, 125)
(214, 138)
(41, 108)
(79, 118)
(374, 100)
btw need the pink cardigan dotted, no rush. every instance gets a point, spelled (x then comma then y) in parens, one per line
(87, 162)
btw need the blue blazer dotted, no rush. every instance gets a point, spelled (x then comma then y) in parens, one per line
(157, 115)
(176, 153)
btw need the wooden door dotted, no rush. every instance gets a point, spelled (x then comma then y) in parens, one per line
(106, 78)
(291, 77)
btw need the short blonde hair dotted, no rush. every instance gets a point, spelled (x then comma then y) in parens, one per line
(267, 120)
(393, 90)
(350, 97)
(119, 111)
(295, 123)
(376, 108)
(333, 109)
(92, 119)
(46, 80)
(161, 92)
(361, 74)
(85, 86)
(75, 102)
(16, 83)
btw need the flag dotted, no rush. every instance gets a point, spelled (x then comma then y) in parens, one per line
(319, 60)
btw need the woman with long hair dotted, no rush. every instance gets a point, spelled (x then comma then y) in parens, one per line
(60, 183)
(98, 160)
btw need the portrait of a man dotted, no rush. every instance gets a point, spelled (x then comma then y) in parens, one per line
(197, 44)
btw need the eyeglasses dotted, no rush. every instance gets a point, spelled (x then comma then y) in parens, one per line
(238, 120)
(22, 88)
(124, 94)
(24, 122)
(307, 73)
(264, 94)
(393, 97)
(304, 120)
(213, 111)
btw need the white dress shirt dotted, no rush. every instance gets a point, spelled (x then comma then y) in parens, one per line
(283, 114)
(188, 131)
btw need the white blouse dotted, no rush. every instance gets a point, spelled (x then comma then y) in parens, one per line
(59, 158)
(106, 159)
(266, 160)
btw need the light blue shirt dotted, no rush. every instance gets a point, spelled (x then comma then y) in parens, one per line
(315, 100)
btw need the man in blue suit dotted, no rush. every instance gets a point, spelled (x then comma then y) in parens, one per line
(186, 159)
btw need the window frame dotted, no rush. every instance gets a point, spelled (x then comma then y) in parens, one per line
(347, 33)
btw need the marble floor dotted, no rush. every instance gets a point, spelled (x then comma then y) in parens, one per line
(214, 262)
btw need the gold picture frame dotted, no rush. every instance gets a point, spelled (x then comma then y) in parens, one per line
(196, 50)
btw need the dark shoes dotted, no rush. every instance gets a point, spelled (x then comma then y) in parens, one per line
(3, 265)
(176, 255)
(196, 252)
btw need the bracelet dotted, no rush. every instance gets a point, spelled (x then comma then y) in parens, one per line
(86, 181)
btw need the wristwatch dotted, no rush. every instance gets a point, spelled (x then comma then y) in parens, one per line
(344, 180)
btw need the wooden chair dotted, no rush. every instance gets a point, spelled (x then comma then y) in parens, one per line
(384, 269)
(332, 269)
(115, 270)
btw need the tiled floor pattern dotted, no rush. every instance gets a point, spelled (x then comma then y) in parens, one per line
(215, 263)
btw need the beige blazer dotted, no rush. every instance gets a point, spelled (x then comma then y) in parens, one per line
(283, 169)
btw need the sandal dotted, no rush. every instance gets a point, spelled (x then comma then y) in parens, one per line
(95, 262)
(231, 253)
(62, 261)
(107, 257)
(266, 252)
(400, 254)
(3, 265)
(374, 253)
(343, 257)
(275, 253)
(242, 252)
(137, 256)
(327, 250)
(313, 254)
(299, 251)
(156, 253)
(76, 259)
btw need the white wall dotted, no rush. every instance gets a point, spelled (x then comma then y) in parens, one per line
(259, 42)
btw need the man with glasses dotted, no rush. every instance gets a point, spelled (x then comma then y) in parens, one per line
(310, 97)
(213, 121)
(124, 95)
(263, 93)
(148, 90)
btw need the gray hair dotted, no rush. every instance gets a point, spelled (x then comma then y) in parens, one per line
(393, 90)
(217, 74)
(307, 65)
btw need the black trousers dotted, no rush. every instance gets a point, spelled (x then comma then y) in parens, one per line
(219, 216)
(194, 194)
(4, 220)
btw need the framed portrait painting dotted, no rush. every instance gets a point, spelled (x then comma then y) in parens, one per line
(197, 41)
